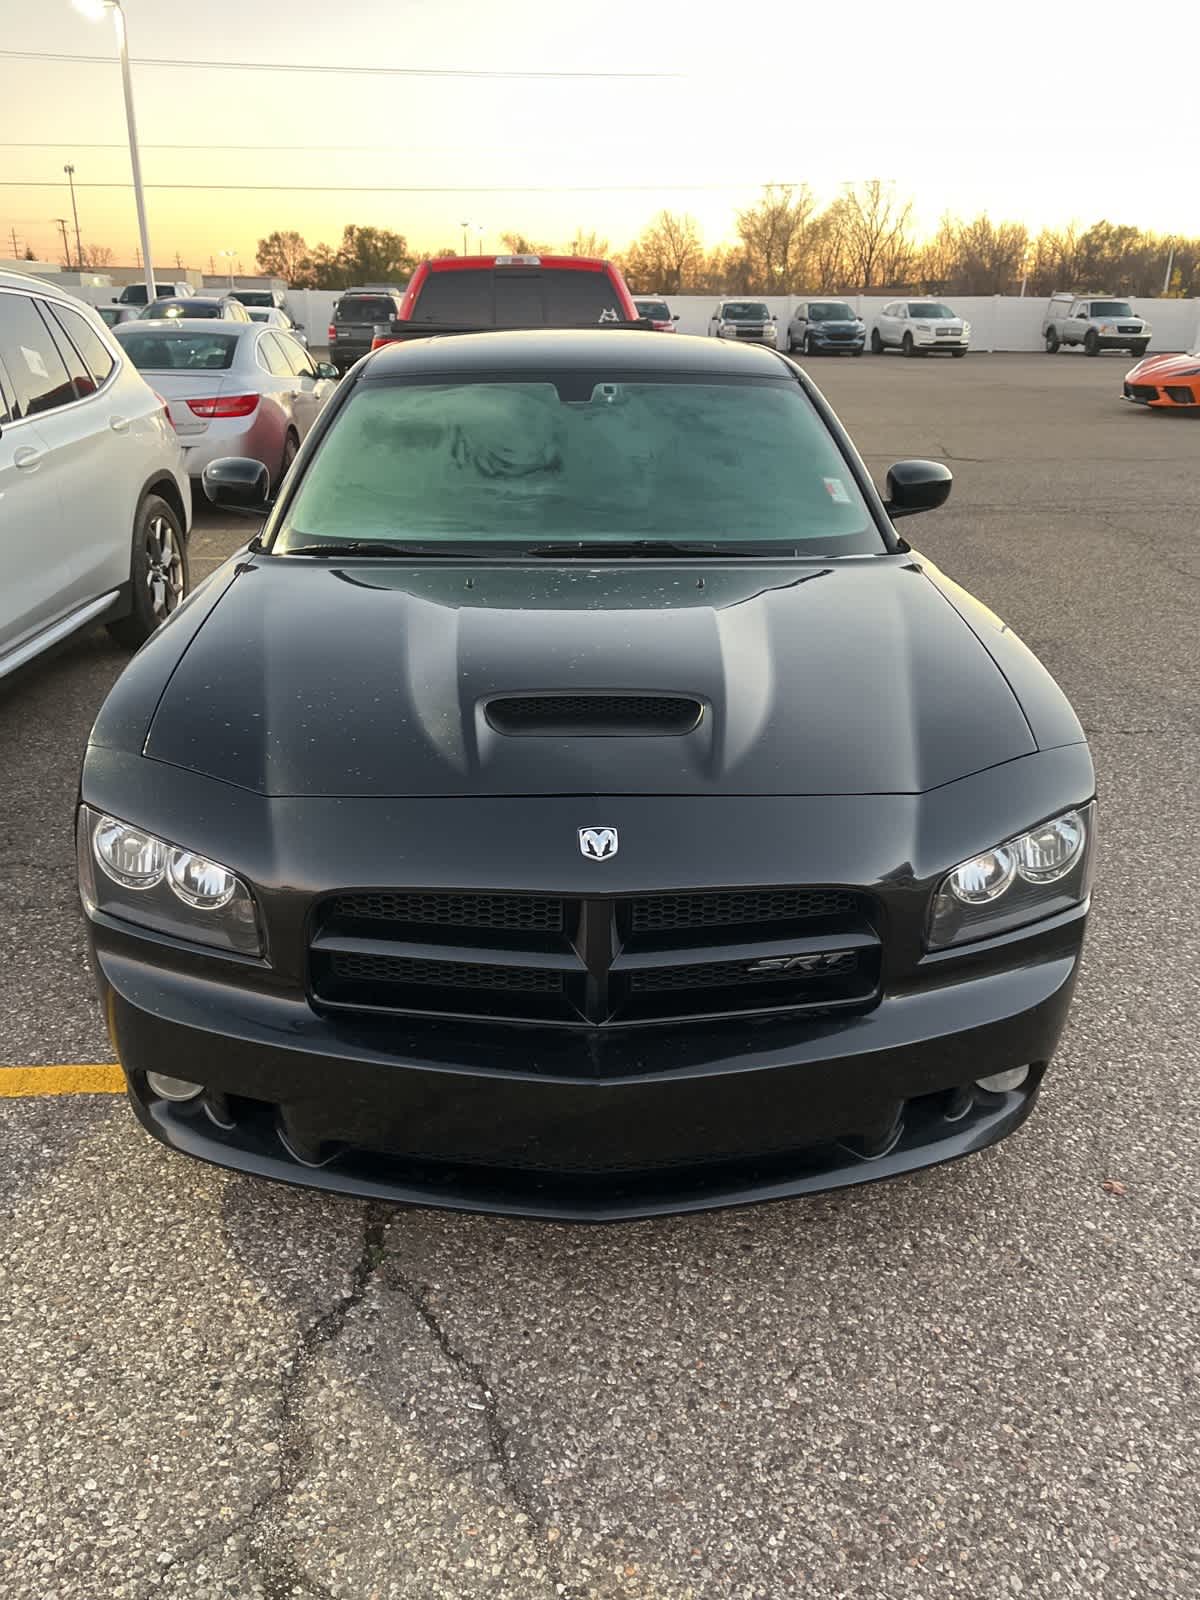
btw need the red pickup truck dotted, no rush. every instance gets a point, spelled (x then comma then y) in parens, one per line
(463, 294)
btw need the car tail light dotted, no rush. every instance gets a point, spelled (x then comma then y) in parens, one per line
(332, 333)
(225, 405)
(166, 408)
(380, 339)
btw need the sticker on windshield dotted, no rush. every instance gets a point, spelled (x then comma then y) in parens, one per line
(837, 491)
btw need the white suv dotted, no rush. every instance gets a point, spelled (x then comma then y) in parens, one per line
(95, 503)
(918, 326)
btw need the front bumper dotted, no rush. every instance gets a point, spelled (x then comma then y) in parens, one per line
(526, 1121)
(930, 341)
(1166, 397)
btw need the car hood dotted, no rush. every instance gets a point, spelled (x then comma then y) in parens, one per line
(1177, 366)
(372, 680)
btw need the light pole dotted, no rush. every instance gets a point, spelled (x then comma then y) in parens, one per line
(70, 172)
(231, 254)
(94, 10)
(464, 226)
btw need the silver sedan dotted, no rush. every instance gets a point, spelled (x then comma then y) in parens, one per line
(232, 388)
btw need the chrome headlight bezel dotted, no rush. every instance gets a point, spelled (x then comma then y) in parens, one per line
(177, 891)
(1016, 882)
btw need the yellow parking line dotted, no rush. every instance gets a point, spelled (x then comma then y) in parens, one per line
(97, 1079)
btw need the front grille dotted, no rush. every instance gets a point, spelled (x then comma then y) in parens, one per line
(660, 913)
(1141, 391)
(1180, 395)
(445, 974)
(598, 961)
(1128, 327)
(509, 913)
(750, 333)
(593, 714)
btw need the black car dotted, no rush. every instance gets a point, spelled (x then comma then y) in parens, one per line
(356, 315)
(578, 801)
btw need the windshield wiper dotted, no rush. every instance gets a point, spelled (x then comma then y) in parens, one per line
(333, 548)
(624, 548)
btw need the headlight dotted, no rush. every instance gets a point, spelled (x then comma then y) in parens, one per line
(1032, 876)
(921, 327)
(143, 879)
(1107, 327)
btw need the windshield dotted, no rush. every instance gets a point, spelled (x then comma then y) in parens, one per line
(258, 316)
(582, 457)
(178, 350)
(364, 308)
(831, 311)
(928, 310)
(655, 310)
(517, 297)
(744, 311)
(179, 308)
(254, 297)
(1111, 308)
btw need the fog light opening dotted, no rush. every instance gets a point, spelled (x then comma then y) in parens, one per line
(168, 1088)
(1002, 1082)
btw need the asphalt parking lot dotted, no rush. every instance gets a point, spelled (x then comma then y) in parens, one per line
(981, 1381)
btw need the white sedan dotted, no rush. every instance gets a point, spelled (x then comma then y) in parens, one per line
(276, 317)
(914, 327)
(233, 388)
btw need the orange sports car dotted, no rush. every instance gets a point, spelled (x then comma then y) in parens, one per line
(1169, 382)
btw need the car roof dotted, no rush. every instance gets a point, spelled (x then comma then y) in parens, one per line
(564, 350)
(533, 259)
(32, 285)
(189, 324)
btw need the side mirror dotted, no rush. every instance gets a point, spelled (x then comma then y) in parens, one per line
(914, 486)
(675, 318)
(239, 484)
(326, 369)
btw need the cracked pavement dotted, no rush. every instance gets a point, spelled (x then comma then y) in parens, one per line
(980, 1381)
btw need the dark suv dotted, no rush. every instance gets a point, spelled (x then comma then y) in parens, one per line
(355, 317)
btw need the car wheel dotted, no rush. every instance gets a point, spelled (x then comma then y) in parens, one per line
(959, 354)
(1052, 345)
(158, 573)
(1091, 343)
(809, 347)
(858, 352)
(1137, 351)
(876, 343)
(291, 449)
(791, 344)
(906, 345)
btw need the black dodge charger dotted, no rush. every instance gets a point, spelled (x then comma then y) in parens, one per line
(578, 801)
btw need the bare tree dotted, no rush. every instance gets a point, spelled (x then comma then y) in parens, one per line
(776, 236)
(667, 255)
(97, 255)
(878, 229)
(519, 244)
(587, 244)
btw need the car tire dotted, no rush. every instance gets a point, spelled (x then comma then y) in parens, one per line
(1091, 343)
(791, 345)
(958, 354)
(876, 343)
(907, 348)
(858, 352)
(809, 349)
(159, 576)
(291, 449)
(1052, 344)
(1138, 350)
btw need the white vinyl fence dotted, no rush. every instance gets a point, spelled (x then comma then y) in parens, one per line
(998, 322)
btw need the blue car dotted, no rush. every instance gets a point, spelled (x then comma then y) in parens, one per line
(820, 326)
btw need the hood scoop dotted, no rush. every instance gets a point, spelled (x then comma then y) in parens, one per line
(593, 716)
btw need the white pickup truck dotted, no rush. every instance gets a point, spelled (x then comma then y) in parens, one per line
(1097, 322)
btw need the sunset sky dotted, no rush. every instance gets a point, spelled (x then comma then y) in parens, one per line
(976, 107)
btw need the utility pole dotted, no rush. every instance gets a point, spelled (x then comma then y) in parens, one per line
(62, 224)
(13, 236)
(1170, 269)
(70, 172)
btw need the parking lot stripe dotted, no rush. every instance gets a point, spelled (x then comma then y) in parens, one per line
(17, 1082)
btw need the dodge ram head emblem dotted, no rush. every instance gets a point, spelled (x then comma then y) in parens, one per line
(598, 844)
